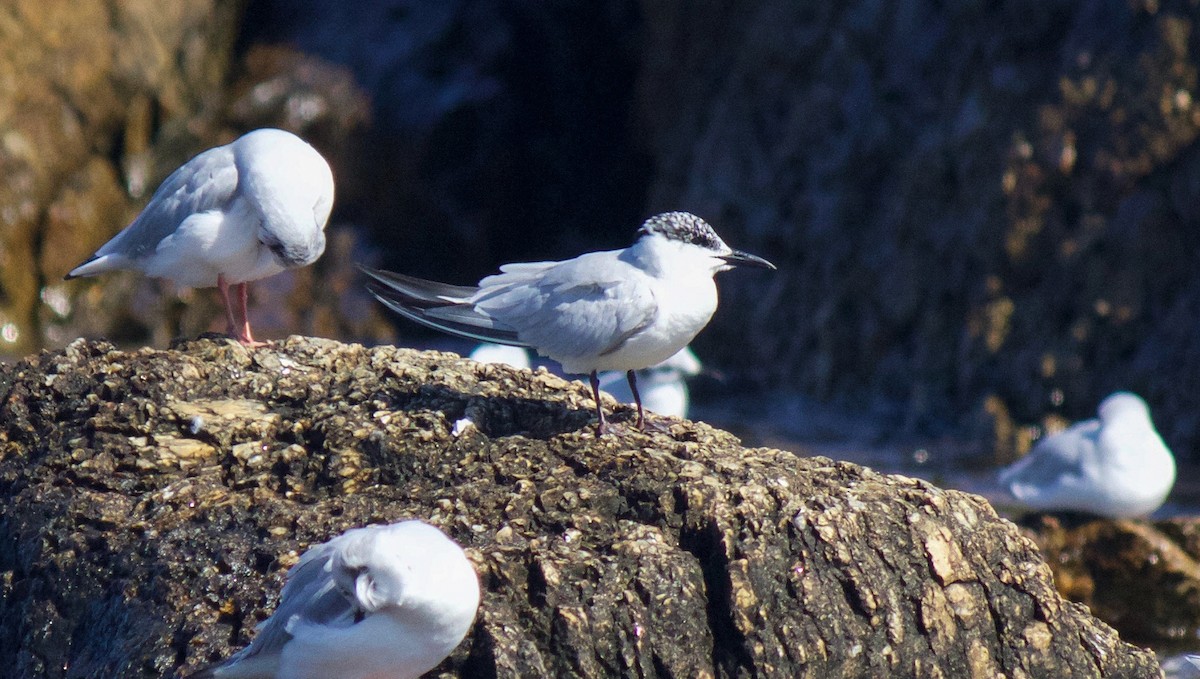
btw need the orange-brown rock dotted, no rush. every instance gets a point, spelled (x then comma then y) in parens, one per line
(1142, 577)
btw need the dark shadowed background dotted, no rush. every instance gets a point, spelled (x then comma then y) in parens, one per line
(984, 213)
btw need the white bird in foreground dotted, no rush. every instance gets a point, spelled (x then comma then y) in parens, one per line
(231, 215)
(489, 352)
(1115, 466)
(381, 602)
(613, 310)
(663, 386)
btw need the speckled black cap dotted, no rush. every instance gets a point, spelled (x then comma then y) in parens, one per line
(685, 227)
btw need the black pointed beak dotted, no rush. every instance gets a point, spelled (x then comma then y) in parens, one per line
(739, 258)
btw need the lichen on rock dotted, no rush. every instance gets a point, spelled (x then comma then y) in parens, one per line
(153, 501)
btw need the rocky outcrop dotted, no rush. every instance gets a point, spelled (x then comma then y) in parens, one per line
(151, 502)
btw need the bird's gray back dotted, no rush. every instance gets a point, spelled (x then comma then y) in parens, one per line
(575, 309)
(309, 594)
(207, 182)
(1056, 455)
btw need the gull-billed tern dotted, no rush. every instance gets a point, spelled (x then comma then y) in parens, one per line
(613, 310)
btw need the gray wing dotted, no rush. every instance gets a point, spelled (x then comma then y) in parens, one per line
(586, 306)
(310, 594)
(207, 182)
(1054, 457)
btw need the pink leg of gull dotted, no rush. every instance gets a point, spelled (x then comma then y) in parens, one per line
(237, 324)
(243, 317)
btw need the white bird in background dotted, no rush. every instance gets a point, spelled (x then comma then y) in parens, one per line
(488, 352)
(613, 310)
(381, 602)
(231, 215)
(1115, 466)
(663, 386)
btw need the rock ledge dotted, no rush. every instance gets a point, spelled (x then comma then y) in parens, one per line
(152, 502)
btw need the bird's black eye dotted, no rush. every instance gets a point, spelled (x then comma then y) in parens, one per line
(704, 240)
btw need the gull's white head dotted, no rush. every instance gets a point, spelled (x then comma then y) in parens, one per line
(682, 238)
(408, 567)
(291, 186)
(1125, 406)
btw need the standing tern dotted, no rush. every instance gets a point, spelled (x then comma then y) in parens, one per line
(231, 215)
(1115, 466)
(381, 602)
(613, 310)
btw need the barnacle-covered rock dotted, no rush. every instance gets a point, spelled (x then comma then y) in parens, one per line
(151, 503)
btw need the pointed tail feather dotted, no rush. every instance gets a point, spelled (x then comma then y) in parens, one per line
(419, 289)
(94, 265)
(453, 318)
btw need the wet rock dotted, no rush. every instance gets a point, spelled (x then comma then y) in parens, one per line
(151, 502)
(1142, 577)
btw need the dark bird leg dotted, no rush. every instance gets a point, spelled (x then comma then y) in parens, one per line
(602, 426)
(637, 398)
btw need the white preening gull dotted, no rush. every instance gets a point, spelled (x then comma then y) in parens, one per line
(489, 352)
(381, 602)
(1116, 465)
(231, 215)
(663, 387)
(614, 310)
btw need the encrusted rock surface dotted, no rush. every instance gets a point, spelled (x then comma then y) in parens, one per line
(151, 502)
